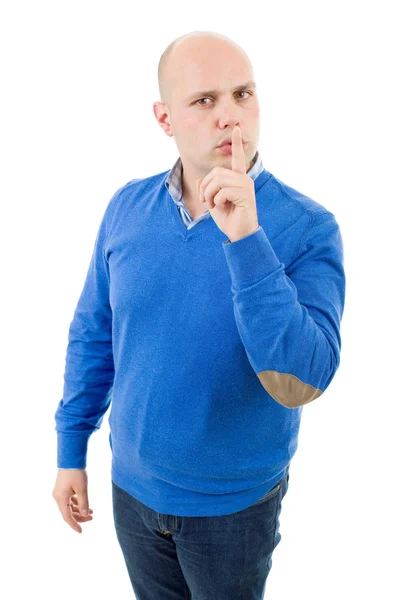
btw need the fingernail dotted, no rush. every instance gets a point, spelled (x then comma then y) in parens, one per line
(84, 512)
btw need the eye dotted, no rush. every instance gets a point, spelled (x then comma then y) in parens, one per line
(239, 92)
(244, 92)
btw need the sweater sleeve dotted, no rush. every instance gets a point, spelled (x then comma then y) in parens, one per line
(89, 365)
(289, 319)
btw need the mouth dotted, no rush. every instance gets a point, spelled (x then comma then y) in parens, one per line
(230, 144)
(226, 148)
(226, 142)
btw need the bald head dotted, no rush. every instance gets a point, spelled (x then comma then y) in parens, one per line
(183, 51)
(207, 86)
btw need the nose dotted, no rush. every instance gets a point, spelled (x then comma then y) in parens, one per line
(228, 115)
(227, 125)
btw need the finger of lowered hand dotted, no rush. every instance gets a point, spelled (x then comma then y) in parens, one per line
(80, 518)
(74, 501)
(67, 514)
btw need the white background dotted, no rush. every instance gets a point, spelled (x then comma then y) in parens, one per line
(78, 83)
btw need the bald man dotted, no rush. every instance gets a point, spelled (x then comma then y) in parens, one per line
(195, 65)
(211, 311)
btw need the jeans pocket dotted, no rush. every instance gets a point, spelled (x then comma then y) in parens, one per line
(270, 494)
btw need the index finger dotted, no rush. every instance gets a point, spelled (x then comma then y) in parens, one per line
(238, 156)
(66, 511)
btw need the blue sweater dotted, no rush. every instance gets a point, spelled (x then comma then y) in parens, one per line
(206, 350)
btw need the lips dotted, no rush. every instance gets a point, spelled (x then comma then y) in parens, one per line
(226, 142)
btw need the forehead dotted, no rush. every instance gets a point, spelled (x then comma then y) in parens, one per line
(205, 67)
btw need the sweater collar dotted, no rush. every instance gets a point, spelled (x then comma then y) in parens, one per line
(173, 182)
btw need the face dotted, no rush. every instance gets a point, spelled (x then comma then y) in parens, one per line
(210, 94)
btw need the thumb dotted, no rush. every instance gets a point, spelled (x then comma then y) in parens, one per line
(83, 502)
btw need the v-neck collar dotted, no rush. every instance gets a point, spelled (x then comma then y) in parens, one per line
(204, 220)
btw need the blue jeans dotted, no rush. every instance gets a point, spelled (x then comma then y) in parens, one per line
(225, 557)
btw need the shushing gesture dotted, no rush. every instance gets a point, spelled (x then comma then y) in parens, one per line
(229, 194)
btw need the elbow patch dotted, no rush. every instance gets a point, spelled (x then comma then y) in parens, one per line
(288, 389)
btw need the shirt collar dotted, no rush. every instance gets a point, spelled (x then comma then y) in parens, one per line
(173, 183)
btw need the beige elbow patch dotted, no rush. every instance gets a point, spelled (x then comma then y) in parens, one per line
(287, 389)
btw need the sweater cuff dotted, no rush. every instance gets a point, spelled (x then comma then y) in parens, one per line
(72, 451)
(251, 258)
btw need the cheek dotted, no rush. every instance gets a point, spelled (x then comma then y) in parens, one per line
(193, 122)
(195, 131)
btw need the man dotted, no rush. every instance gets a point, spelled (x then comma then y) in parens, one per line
(210, 316)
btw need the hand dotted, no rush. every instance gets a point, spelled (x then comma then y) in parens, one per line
(230, 195)
(70, 493)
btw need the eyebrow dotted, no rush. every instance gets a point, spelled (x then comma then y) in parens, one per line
(249, 84)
